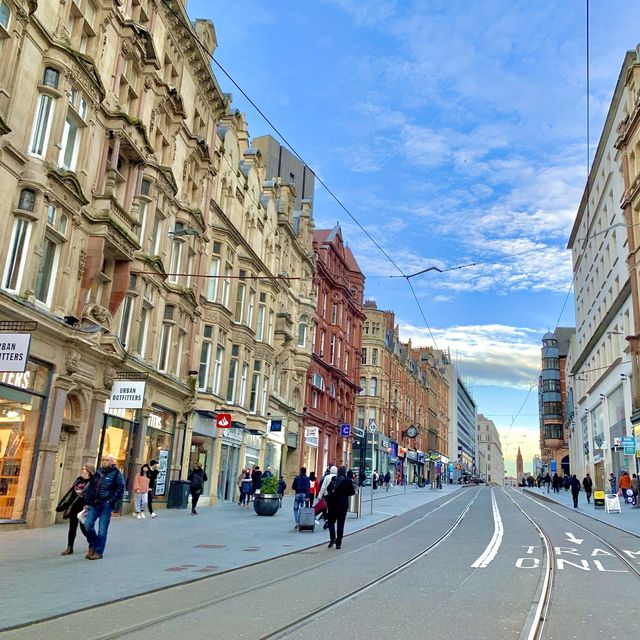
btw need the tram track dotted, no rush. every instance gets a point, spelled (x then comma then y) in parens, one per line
(539, 615)
(302, 620)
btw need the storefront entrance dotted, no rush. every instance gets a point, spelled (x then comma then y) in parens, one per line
(228, 472)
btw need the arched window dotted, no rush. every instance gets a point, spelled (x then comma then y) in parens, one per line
(373, 387)
(5, 15)
(302, 331)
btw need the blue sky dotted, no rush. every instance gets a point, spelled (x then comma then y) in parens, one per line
(455, 132)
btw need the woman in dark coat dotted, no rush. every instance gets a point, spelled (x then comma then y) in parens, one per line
(73, 503)
(197, 478)
(338, 505)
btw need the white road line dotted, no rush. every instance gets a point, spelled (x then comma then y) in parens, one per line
(493, 546)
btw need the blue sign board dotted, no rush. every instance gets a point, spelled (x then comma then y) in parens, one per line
(553, 466)
(276, 425)
(345, 430)
(629, 444)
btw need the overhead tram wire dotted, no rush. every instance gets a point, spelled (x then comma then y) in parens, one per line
(587, 193)
(320, 180)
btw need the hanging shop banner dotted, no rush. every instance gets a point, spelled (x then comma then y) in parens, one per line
(127, 394)
(14, 351)
(223, 421)
(163, 465)
(629, 444)
(636, 431)
(311, 436)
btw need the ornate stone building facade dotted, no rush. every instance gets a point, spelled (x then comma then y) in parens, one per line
(332, 379)
(404, 393)
(145, 241)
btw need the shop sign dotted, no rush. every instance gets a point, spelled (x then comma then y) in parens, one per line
(311, 436)
(163, 465)
(14, 351)
(345, 430)
(34, 378)
(596, 459)
(402, 452)
(412, 455)
(629, 444)
(233, 434)
(636, 431)
(359, 432)
(223, 421)
(127, 394)
(275, 425)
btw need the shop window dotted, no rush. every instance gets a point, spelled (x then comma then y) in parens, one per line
(19, 418)
(17, 255)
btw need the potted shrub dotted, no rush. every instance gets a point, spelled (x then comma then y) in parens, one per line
(267, 502)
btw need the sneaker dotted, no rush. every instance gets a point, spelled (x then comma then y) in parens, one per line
(94, 556)
(139, 516)
(142, 515)
(154, 515)
(135, 514)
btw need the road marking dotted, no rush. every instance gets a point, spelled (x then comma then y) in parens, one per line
(572, 538)
(495, 542)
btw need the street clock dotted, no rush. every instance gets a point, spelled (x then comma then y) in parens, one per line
(411, 432)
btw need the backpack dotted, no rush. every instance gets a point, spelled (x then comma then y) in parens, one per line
(331, 488)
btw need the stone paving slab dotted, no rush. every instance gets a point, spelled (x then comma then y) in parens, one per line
(628, 520)
(176, 547)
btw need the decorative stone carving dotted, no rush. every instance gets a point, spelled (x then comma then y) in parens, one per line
(72, 362)
(97, 314)
(107, 377)
(82, 257)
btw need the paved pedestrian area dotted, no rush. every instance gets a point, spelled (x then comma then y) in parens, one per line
(628, 520)
(150, 554)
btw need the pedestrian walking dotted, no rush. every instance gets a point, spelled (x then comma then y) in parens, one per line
(374, 480)
(197, 478)
(141, 491)
(103, 496)
(267, 473)
(634, 488)
(154, 469)
(313, 489)
(328, 476)
(387, 481)
(613, 483)
(566, 482)
(246, 486)
(624, 483)
(587, 484)
(575, 490)
(338, 505)
(362, 476)
(555, 483)
(547, 481)
(300, 487)
(239, 480)
(282, 487)
(73, 503)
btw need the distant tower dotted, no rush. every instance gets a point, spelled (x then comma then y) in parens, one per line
(519, 468)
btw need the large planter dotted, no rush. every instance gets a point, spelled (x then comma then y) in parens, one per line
(266, 504)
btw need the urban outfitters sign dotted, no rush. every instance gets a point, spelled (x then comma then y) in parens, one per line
(14, 351)
(127, 394)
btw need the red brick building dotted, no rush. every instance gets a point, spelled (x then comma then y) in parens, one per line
(333, 378)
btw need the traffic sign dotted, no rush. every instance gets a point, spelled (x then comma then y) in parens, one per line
(345, 430)
(373, 427)
(223, 420)
(358, 432)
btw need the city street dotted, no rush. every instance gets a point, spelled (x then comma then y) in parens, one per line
(469, 558)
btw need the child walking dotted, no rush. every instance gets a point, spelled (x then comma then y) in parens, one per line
(141, 491)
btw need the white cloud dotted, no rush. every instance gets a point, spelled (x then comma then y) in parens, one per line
(491, 354)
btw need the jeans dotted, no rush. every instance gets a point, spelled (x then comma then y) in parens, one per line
(102, 514)
(141, 502)
(298, 502)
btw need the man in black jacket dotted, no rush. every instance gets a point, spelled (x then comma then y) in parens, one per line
(337, 498)
(103, 496)
(301, 487)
